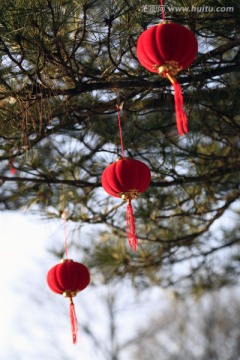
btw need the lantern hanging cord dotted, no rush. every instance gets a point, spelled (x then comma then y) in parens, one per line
(64, 217)
(162, 9)
(120, 128)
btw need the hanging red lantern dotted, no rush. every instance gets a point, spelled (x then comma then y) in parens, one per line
(167, 49)
(68, 278)
(126, 179)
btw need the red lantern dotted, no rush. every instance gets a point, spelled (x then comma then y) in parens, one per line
(126, 179)
(166, 49)
(68, 278)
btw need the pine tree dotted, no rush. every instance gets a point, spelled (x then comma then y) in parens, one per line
(65, 65)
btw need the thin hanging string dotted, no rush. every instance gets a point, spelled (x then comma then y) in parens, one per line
(120, 128)
(64, 217)
(162, 9)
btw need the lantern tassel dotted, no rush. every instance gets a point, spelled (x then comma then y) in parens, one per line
(181, 117)
(131, 230)
(73, 319)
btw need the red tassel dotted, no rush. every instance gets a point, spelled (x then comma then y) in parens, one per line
(131, 231)
(73, 319)
(181, 117)
(12, 168)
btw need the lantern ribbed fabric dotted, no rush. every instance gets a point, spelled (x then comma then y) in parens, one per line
(126, 179)
(124, 175)
(68, 278)
(166, 49)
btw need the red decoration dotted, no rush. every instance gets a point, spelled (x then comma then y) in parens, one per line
(12, 167)
(68, 278)
(166, 49)
(126, 179)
